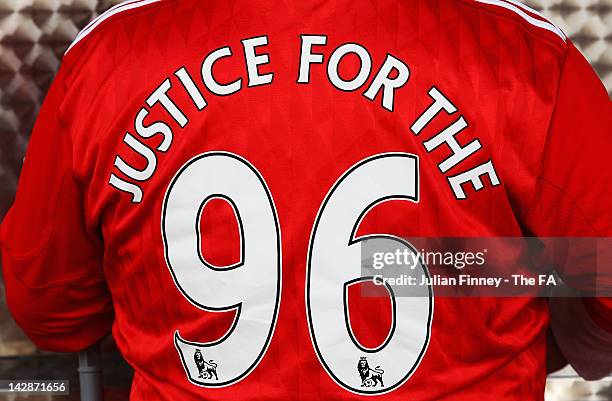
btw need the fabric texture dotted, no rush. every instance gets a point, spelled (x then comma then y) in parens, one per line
(524, 100)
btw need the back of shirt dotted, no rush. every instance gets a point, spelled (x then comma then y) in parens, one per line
(202, 173)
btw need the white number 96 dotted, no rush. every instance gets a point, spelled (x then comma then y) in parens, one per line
(253, 286)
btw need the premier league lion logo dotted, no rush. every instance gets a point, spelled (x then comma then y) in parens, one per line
(369, 376)
(207, 370)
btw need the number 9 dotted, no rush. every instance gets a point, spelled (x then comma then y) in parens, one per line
(253, 287)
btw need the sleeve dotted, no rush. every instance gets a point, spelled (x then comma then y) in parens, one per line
(51, 260)
(573, 199)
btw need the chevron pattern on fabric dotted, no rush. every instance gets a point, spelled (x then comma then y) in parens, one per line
(35, 34)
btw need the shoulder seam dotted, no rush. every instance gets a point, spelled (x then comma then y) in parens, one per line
(108, 14)
(521, 10)
(525, 7)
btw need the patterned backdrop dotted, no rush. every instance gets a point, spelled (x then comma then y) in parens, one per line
(35, 33)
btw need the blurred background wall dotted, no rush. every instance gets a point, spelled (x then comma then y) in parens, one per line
(33, 37)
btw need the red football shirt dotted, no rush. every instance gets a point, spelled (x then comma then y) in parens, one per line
(201, 174)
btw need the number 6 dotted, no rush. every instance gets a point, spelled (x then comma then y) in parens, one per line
(335, 260)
